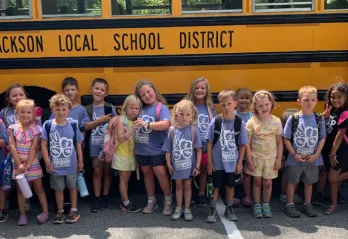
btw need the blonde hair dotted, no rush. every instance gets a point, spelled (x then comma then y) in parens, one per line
(59, 100)
(261, 94)
(184, 104)
(286, 114)
(130, 98)
(227, 93)
(191, 95)
(306, 89)
(141, 83)
(25, 103)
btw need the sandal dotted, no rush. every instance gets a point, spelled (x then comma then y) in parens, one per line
(330, 210)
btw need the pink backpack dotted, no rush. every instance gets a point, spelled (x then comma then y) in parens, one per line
(110, 141)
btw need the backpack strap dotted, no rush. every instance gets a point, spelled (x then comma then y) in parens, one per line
(89, 109)
(48, 125)
(193, 134)
(217, 128)
(158, 111)
(210, 113)
(107, 108)
(237, 126)
(294, 125)
(75, 127)
(318, 119)
(5, 115)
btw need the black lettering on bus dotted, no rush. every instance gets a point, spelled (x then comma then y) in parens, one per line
(222, 44)
(13, 44)
(194, 36)
(211, 39)
(142, 41)
(152, 41)
(133, 41)
(68, 43)
(182, 40)
(124, 46)
(6, 50)
(159, 46)
(77, 48)
(230, 32)
(60, 43)
(203, 34)
(117, 47)
(22, 47)
(92, 43)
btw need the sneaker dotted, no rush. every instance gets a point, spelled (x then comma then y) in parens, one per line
(59, 219)
(188, 215)
(236, 202)
(291, 211)
(229, 214)
(3, 215)
(167, 210)
(297, 199)
(283, 199)
(23, 220)
(96, 206)
(73, 217)
(340, 198)
(42, 218)
(212, 216)
(246, 202)
(318, 200)
(104, 203)
(27, 207)
(308, 210)
(150, 207)
(130, 207)
(266, 211)
(177, 214)
(202, 202)
(257, 211)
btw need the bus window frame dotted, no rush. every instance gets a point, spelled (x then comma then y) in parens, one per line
(143, 16)
(76, 15)
(281, 10)
(30, 16)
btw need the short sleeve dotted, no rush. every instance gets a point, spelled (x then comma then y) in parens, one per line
(2, 115)
(210, 133)
(343, 120)
(322, 134)
(167, 146)
(85, 118)
(250, 127)
(243, 139)
(3, 134)
(164, 114)
(36, 130)
(288, 128)
(113, 111)
(79, 136)
(44, 133)
(198, 141)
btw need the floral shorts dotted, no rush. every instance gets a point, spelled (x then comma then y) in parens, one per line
(264, 168)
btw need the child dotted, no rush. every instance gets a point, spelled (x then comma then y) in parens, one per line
(3, 145)
(337, 140)
(304, 138)
(200, 95)
(244, 98)
(265, 137)
(149, 138)
(182, 161)
(24, 141)
(297, 199)
(124, 159)
(62, 152)
(100, 112)
(227, 139)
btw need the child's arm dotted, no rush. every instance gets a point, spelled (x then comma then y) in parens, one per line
(44, 150)
(240, 158)
(211, 168)
(280, 146)
(79, 156)
(95, 123)
(157, 126)
(197, 170)
(2, 143)
(297, 157)
(14, 153)
(169, 165)
(33, 150)
(120, 131)
(249, 159)
(336, 144)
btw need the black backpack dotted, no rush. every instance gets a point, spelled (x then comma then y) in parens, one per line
(217, 130)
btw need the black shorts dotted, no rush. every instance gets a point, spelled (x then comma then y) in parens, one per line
(222, 179)
(151, 160)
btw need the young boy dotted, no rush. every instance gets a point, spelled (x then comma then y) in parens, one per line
(304, 137)
(62, 152)
(226, 139)
(100, 113)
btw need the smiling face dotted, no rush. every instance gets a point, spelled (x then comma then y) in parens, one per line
(200, 91)
(263, 106)
(338, 99)
(244, 102)
(99, 91)
(25, 114)
(16, 94)
(147, 95)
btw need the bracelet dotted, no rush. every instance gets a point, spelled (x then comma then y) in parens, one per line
(293, 155)
(150, 126)
(332, 155)
(197, 169)
(125, 137)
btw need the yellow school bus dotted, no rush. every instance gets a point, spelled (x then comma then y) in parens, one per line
(278, 45)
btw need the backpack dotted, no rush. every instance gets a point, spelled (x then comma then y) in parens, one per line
(217, 131)
(107, 110)
(193, 133)
(295, 122)
(48, 125)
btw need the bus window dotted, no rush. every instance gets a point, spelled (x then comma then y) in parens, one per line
(336, 4)
(211, 6)
(54, 8)
(282, 5)
(15, 8)
(140, 7)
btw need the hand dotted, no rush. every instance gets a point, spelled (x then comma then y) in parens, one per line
(239, 168)
(327, 110)
(211, 168)
(312, 158)
(80, 166)
(22, 168)
(277, 165)
(196, 172)
(49, 168)
(131, 130)
(170, 169)
(251, 166)
(140, 123)
(105, 118)
(333, 161)
(300, 158)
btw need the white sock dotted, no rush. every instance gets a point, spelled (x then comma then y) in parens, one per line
(126, 202)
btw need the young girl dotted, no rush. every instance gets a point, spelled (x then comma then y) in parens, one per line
(336, 145)
(3, 145)
(24, 140)
(244, 98)
(200, 95)
(124, 160)
(149, 139)
(182, 161)
(265, 137)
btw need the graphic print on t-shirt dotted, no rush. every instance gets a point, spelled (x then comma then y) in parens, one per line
(73, 121)
(182, 153)
(61, 150)
(203, 124)
(142, 134)
(97, 134)
(228, 145)
(11, 119)
(305, 139)
(330, 123)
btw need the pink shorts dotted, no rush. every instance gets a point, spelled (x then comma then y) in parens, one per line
(204, 159)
